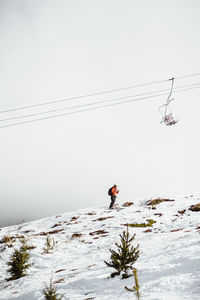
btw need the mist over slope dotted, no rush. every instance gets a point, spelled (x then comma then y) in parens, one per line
(168, 265)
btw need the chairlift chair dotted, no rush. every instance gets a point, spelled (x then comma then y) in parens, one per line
(166, 111)
(169, 120)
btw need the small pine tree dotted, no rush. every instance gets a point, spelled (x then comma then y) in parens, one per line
(126, 256)
(49, 245)
(50, 292)
(18, 263)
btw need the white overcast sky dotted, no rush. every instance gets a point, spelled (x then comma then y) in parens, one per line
(55, 49)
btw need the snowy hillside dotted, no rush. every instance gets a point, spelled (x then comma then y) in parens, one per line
(168, 265)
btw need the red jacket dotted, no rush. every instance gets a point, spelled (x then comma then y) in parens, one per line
(114, 191)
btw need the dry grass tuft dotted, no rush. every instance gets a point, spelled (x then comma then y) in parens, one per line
(127, 204)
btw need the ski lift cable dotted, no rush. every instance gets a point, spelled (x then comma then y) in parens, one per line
(187, 76)
(94, 108)
(93, 103)
(93, 94)
(81, 96)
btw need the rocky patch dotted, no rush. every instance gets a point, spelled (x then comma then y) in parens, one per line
(158, 201)
(195, 207)
(103, 218)
(98, 232)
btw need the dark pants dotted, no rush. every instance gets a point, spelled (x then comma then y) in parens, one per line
(113, 199)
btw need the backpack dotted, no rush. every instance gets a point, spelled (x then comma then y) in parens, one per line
(110, 191)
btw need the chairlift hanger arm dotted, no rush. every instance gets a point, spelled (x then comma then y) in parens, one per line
(170, 93)
(172, 85)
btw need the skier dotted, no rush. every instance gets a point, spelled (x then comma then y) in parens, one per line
(113, 191)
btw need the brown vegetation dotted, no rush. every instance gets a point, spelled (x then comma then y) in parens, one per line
(7, 239)
(48, 232)
(126, 204)
(58, 281)
(157, 201)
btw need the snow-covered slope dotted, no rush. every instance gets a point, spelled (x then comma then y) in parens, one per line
(168, 266)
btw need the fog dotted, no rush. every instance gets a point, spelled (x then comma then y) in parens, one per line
(52, 50)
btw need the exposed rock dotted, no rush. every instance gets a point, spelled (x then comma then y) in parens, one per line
(90, 266)
(97, 237)
(97, 232)
(61, 270)
(158, 214)
(31, 247)
(178, 229)
(195, 207)
(28, 231)
(74, 218)
(103, 218)
(181, 212)
(76, 235)
(56, 225)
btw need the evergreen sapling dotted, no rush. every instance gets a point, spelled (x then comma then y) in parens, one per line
(125, 256)
(18, 263)
(49, 245)
(50, 292)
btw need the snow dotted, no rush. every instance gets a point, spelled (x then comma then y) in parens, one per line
(168, 265)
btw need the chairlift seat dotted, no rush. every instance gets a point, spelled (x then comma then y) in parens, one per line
(169, 120)
(165, 109)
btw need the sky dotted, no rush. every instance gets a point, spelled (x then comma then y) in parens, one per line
(57, 49)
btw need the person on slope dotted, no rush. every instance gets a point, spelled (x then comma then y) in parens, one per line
(113, 191)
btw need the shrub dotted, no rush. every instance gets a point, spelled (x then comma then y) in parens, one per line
(149, 223)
